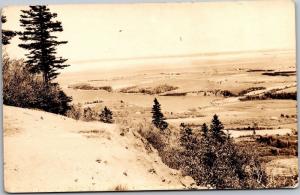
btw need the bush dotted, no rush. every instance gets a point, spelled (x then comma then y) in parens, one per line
(227, 93)
(75, 112)
(106, 115)
(88, 114)
(22, 89)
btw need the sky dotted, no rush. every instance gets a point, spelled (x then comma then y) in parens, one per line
(112, 35)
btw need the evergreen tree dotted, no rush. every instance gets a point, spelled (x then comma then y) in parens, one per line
(158, 118)
(216, 129)
(204, 130)
(190, 152)
(6, 34)
(38, 38)
(106, 115)
(187, 140)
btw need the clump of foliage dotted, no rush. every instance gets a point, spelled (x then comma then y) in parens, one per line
(75, 111)
(88, 114)
(245, 91)
(280, 73)
(287, 145)
(23, 89)
(227, 93)
(106, 115)
(273, 94)
(149, 90)
(158, 118)
(85, 86)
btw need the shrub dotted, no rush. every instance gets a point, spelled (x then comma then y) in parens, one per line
(106, 115)
(88, 114)
(75, 112)
(155, 139)
(227, 93)
(22, 89)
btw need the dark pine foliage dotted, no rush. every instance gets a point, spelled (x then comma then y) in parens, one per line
(158, 118)
(204, 130)
(106, 115)
(188, 140)
(217, 129)
(214, 160)
(6, 34)
(39, 39)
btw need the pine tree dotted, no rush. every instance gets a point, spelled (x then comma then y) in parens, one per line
(106, 115)
(158, 118)
(216, 129)
(204, 130)
(38, 38)
(6, 34)
(187, 139)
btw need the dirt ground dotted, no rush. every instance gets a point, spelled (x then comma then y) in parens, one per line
(44, 152)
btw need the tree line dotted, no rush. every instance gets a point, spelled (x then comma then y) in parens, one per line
(207, 154)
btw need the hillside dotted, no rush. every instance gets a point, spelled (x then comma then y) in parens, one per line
(44, 152)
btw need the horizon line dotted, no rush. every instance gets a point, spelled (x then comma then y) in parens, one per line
(178, 56)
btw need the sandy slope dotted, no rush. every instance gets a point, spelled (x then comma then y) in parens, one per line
(46, 152)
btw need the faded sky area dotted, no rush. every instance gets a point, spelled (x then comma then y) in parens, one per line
(112, 35)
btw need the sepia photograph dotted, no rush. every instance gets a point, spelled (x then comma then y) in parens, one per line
(149, 96)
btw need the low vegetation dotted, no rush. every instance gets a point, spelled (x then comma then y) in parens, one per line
(260, 70)
(280, 73)
(174, 94)
(271, 95)
(106, 115)
(79, 112)
(282, 145)
(23, 89)
(227, 93)
(208, 155)
(84, 86)
(149, 90)
(245, 91)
